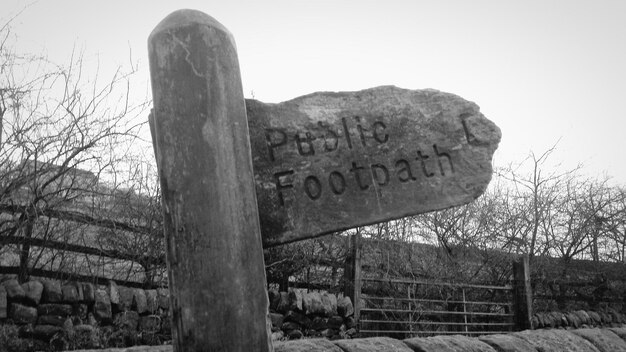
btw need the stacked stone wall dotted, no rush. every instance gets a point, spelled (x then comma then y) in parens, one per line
(58, 313)
(296, 314)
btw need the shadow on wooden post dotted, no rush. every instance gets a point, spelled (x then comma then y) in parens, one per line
(213, 240)
(522, 295)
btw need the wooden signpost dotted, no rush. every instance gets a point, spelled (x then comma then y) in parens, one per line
(214, 256)
(322, 163)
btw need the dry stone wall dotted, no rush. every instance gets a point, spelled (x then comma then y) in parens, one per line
(55, 314)
(298, 314)
(52, 312)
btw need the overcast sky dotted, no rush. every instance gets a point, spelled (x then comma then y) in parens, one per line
(542, 70)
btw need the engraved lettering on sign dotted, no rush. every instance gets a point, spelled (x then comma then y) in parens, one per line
(279, 178)
(379, 127)
(422, 159)
(337, 182)
(404, 171)
(380, 174)
(325, 138)
(469, 136)
(357, 176)
(275, 138)
(305, 144)
(331, 140)
(313, 187)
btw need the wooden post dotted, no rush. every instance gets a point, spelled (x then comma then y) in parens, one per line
(213, 240)
(522, 294)
(352, 274)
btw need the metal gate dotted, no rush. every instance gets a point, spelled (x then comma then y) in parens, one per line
(405, 308)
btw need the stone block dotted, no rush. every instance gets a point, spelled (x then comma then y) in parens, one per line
(277, 320)
(507, 343)
(584, 317)
(430, 344)
(91, 319)
(80, 310)
(140, 301)
(555, 340)
(295, 334)
(283, 304)
(114, 293)
(273, 297)
(26, 331)
(295, 300)
(55, 320)
(319, 323)
(126, 295)
(70, 293)
(329, 333)
(4, 309)
(345, 307)
(102, 306)
(15, 292)
(595, 317)
(46, 332)
(306, 345)
(33, 291)
(329, 304)
(277, 335)
(164, 298)
(335, 322)
(557, 317)
(373, 344)
(166, 326)
(603, 339)
(152, 301)
(22, 314)
(297, 317)
(350, 322)
(87, 335)
(63, 310)
(606, 317)
(128, 320)
(52, 291)
(89, 292)
(619, 331)
(289, 326)
(573, 320)
(312, 303)
(150, 323)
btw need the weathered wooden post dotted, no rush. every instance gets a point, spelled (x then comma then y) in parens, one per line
(522, 294)
(352, 274)
(213, 240)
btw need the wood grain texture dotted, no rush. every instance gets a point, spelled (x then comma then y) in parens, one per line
(213, 241)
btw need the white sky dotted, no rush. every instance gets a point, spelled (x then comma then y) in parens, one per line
(542, 70)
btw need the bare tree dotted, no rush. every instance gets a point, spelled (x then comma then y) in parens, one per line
(536, 192)
(63, 133)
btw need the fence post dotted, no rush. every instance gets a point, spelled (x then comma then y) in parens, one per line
(522, 293)
(213, 240)
(352, 274)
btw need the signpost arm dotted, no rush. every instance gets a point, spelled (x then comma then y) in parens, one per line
(213, 240)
